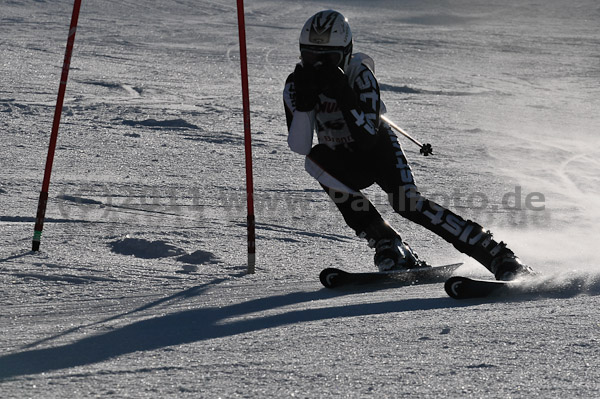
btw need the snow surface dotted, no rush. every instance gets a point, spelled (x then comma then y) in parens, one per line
(140, 288)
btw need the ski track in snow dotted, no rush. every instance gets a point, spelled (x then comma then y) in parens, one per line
(140, 288)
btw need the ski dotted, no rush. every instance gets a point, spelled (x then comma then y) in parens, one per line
(460, 287)
(334, 278)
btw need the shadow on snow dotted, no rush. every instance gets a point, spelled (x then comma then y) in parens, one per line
(208, 323)
(192, 326)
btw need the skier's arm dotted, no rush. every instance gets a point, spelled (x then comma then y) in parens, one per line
(300, 123)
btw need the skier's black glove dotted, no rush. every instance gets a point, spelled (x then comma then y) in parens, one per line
(333, 82)
(306, 88)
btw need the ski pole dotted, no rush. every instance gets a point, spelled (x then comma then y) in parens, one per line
(425, 148)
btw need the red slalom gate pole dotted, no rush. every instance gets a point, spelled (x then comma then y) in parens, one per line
(43, 201)
(247, 139)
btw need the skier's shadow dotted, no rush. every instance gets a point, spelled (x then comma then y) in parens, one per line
(197, 325)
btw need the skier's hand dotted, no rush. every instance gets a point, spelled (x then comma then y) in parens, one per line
(332, 81)
(306, 87)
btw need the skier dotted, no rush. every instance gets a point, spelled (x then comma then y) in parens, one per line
(335, 93)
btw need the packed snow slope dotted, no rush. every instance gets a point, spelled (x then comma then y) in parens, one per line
(140, 290)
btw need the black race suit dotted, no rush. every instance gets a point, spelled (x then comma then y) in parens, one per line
(356, 149)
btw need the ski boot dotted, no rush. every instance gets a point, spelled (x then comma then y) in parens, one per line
(499, 259)
(393, 254)
(508, 267)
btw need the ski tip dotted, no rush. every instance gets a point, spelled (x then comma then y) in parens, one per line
(330, 277)
(453, 287)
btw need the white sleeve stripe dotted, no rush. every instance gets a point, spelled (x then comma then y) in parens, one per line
(300, 135)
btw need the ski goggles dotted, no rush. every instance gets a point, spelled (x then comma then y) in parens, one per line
(317, 57)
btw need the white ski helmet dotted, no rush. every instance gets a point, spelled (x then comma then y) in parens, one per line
(326, 37)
